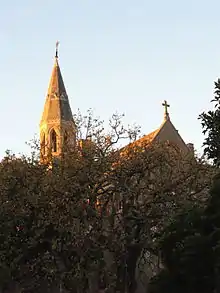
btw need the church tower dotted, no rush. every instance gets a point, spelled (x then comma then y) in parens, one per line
(57, 127)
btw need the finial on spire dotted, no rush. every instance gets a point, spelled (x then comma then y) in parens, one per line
(57, 45)
(166, 106)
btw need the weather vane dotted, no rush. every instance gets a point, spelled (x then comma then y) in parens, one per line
(57, 45)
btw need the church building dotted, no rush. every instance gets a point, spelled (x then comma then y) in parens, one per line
(57, 126)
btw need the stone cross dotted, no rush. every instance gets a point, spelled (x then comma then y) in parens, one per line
(166, 106)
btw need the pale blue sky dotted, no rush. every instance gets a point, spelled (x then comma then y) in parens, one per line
(122, 55)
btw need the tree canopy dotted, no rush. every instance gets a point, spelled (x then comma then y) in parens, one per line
(84, 224)
(210, 122)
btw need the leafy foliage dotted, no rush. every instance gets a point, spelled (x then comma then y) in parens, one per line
(211, 127)
(83, 224)
(187, 256)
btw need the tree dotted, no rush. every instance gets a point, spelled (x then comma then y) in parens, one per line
(95, 214)
(211, 229)
(187, 256)
(211, 127)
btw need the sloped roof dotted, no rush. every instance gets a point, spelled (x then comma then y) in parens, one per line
(148, 138)
(57, 103)
(166, 132)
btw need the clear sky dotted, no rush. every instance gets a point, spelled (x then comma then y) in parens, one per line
(118, 55)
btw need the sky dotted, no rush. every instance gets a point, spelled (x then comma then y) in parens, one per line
(118, 55)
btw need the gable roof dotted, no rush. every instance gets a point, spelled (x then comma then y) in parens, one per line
(166, 132)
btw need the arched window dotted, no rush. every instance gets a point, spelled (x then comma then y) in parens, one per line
(53, 137)
(43, 143)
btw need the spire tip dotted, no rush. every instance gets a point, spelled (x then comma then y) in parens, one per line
(57, 45)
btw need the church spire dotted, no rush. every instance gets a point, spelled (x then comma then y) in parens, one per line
(57, 125)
